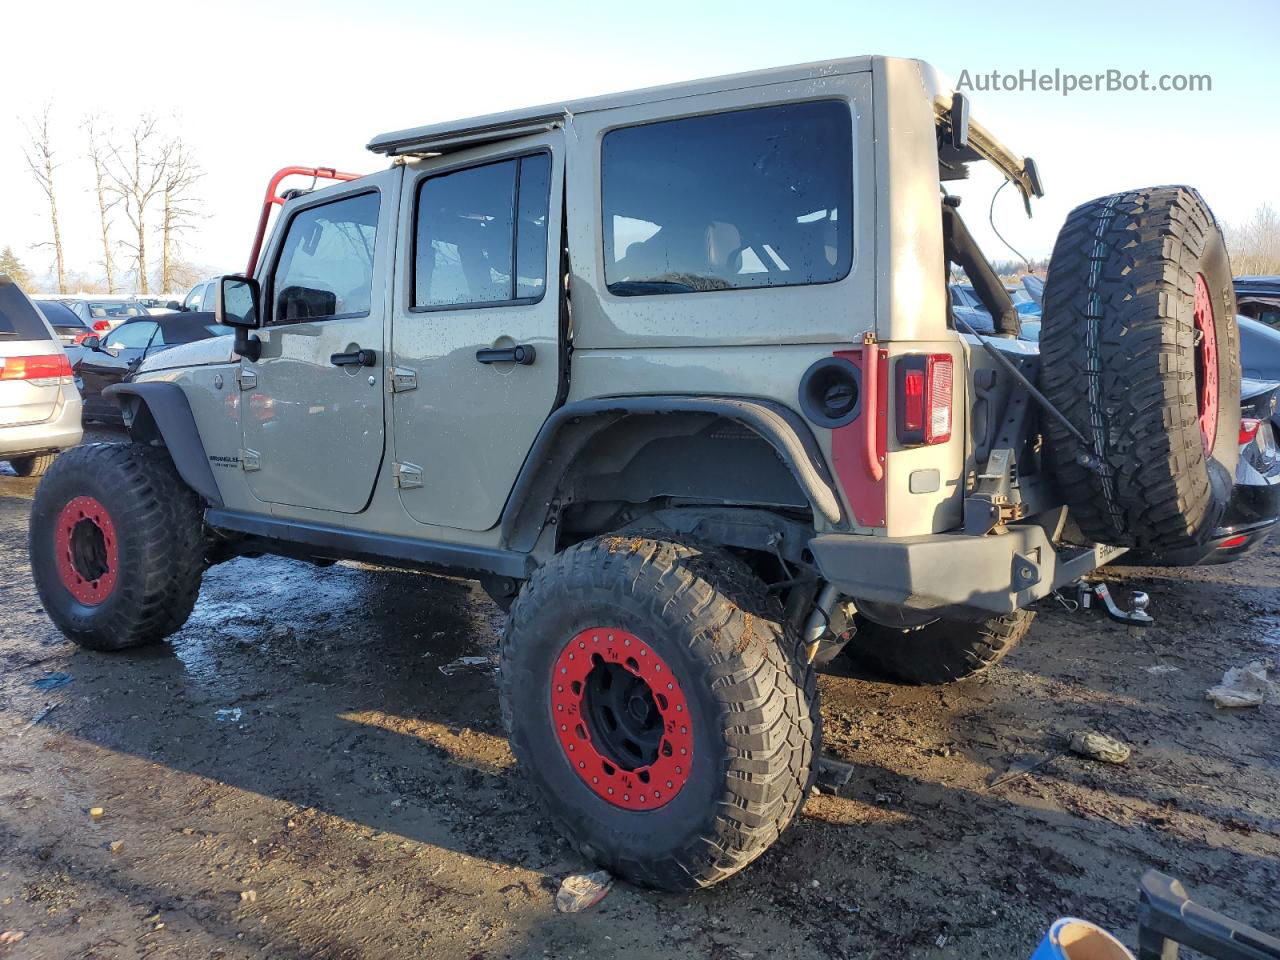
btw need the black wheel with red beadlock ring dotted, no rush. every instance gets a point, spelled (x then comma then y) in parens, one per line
(664, 716)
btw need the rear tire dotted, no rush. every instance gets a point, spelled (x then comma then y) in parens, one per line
(33, 466)
(712, 652)
(1140, 350)
(116, 544)
(941, 651)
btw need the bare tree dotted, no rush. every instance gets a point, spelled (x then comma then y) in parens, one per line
(100, 150)
(41, 159)
(182, 173)
(136, 176)
(1255, 245)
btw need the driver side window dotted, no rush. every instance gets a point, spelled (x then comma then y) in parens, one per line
(131, 336)
(325, 270)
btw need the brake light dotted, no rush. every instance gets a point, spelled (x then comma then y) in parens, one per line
(46, 370)
(101, 325)
(924, 399)
(1248, 429)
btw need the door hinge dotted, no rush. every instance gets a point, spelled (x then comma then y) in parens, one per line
(401, 380)
(246, 378)
(406, 475)
(249, 460)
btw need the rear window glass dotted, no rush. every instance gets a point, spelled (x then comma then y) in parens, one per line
(18, 318)
(116, 310)
(749, 198)
(59, 314)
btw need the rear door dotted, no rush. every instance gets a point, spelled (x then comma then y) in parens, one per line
(312, 405)
(475, 333)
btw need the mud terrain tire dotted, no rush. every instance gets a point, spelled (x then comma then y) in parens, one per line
(116, 545)
(33, 466)
(941, 651)
(712, 651)
(1139, 348)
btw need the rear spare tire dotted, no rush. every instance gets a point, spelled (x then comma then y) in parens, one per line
(116, 543)
(664, 716)
(1139, 349)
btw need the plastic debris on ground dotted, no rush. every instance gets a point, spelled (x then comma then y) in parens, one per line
(11, 936)
(464, 663)
(1098, 746)
(228, 715)
(1246, 686)
(51, 681)
(582, 890)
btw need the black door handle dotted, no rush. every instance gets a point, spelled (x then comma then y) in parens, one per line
(523, 354)
(356, 358)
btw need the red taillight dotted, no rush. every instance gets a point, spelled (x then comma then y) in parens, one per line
(924, 399)
(1248, 429)
(101, 325)
(80, 337)
(1236, 541)
(44, 370)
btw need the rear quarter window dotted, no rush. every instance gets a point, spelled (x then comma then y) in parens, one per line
(19, 319)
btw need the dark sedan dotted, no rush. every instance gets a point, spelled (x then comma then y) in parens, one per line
(99, 362)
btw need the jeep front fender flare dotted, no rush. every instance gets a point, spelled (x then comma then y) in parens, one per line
(176, 428)
(568, 431)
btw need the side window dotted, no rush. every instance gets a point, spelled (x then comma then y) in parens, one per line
(481, 234)
(194, 298)
(749, 198)
(325, 270)
(131, 336)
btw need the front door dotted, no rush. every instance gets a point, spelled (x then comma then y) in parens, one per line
(312, 404)
(475, 334)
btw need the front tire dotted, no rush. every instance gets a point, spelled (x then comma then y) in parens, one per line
(941, 651)
(663, 715)
(116, 545)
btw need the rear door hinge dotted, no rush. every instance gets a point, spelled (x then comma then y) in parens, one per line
(401, 380)
(249, 460)
(246, 378)
(406, 475)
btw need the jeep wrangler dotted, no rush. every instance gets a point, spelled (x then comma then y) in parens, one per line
(674, 375)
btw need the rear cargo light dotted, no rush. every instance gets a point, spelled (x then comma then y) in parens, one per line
(924, 399)
(46, 370)
(1248, 429)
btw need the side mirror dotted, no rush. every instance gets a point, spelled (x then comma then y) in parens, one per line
(237, 302)
(92, 343)
(174, 305)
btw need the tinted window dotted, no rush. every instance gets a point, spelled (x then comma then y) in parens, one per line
(750, 198)
(185, 330)
(325, 268)
(473, 225)
(130, 336)
(18, 318)
(59, 314)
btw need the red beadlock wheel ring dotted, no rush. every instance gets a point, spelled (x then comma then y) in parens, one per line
(1207, 357)
(644, 787)
(87, 552)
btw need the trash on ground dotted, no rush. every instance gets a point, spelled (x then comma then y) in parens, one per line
(582, 890)
(115, 846)
(229, 714)
(464, 663)
(96, 812)
(11, 936)
(248, 896)
(1020, 768)
(51, 681)
(833, 775)
(38, 717)
(1160, 669)
(1098, 746)
(1246, 686)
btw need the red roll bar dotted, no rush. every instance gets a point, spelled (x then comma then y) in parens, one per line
(272, 197)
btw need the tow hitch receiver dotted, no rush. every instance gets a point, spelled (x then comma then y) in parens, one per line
(1090, 593)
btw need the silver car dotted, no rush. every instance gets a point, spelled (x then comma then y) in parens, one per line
(39, 403)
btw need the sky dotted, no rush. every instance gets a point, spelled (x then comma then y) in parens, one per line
(252, 87)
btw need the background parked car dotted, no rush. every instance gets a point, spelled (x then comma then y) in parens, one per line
(66, 324)
(99, 362)
(39, 406)
(201, 296)
(158, 306)
(106, 313)
(1259, 299)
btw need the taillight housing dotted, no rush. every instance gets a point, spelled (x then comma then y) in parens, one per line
(101, 326)
(924, 395)
(45, 370)
(1248, 429)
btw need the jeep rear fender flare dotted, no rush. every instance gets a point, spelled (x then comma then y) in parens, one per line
(569, 430)
(173, 424)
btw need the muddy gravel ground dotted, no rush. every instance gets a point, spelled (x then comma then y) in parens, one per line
(296, 776)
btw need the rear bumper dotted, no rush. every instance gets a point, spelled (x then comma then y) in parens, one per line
(991, 574)
(59, 432)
